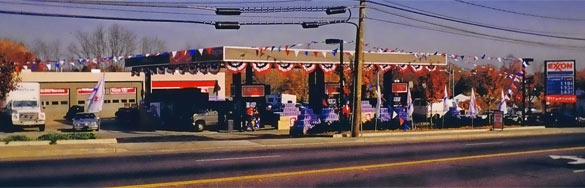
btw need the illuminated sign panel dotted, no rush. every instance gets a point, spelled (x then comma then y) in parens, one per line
(560, 81)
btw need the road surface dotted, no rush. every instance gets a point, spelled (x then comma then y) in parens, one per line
(524, 161)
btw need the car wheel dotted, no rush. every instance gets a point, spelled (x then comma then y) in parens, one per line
(199, 126)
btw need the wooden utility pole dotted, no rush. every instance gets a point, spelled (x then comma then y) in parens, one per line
(359, 62)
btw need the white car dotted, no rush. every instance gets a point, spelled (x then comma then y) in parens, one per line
(86, 121)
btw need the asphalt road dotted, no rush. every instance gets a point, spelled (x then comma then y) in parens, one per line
(524, 162)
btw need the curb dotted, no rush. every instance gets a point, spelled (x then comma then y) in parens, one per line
(433, 132)
(60, 142)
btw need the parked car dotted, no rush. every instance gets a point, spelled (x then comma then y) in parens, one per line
(128, 116)
(204, 119)
(558, 118)
(72, 111)
(86, 121)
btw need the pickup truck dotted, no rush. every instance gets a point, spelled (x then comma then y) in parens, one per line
(204, 119)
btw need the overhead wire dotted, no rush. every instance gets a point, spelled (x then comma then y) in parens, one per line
(165, 12)
(520, 13)
(477, 33)
(475, 24)
(429, 12)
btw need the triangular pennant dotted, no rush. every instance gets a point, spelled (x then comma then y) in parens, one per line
(296, 52)
(316, 53)
(324, 53)
(209, 50)
(306, 53)
(200, 51)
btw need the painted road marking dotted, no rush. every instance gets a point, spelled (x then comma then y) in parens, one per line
(578, 171)
(350, 168)
(238, 158)
(577, 160)
(484, 143)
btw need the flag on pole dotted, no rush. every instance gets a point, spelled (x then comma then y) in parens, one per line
(379, 94)
(473, 111)
(445, 104)
(503, 106)
(95, 101)
(409, 105)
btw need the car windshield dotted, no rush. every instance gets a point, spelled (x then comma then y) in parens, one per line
(24, 104)
(84, 116)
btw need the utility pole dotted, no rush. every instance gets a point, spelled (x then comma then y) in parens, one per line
(359, 62)
(524, 61)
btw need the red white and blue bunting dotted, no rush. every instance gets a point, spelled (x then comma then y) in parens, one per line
(308, 67)
(328, 68)
(202, 68)
(214, 68)
(385, 68)
(261, 67)
(285, 67)
(431, 68)
(235, 67)
(417, 68)
(403, 67)
(369, 67)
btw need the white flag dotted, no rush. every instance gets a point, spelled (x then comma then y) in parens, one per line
(379, 95)
(445, 97)
(503, 105)
(409, 105)
(95, 101)
(472, 105)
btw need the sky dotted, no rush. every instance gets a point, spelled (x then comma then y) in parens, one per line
(178, 36)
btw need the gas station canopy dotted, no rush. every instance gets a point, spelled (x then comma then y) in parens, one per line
(234, 54)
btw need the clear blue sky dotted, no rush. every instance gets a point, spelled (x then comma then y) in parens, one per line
(177, 36)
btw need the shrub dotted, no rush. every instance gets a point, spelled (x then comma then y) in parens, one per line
(16, 138)
(53, 137)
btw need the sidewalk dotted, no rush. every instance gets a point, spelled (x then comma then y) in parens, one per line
(115, 149)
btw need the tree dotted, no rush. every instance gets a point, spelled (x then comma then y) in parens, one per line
(12, 55)
(152, 45)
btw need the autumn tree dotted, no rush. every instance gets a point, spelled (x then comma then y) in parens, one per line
(12, 55)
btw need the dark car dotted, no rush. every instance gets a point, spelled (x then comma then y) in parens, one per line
(72, 111)
(558, 118)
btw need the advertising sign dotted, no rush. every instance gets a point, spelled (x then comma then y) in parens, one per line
(122, 90)
(332, 89)
(253, 91)
(54, 91)
(399, 87)
(84, 91)
(560, 81)
(498, 120)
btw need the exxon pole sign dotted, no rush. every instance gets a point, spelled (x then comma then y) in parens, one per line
(560, 81)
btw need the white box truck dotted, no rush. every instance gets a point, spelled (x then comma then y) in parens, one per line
(22, 107)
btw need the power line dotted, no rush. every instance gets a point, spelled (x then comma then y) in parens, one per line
(208, 8)
(476, 24)
(428, 12)
(321, 22)
(478, 33)
(104, 18)
(165, 12)
(520, 13)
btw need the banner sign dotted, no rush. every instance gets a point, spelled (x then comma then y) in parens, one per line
(122, 90)
(253, 90)
(561, 98)
(84, 91)
(399, 87)
(560, 81)
(54, 91)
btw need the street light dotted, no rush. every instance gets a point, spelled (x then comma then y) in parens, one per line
(340, 69)
(527, 61)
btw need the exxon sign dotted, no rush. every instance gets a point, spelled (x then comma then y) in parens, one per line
(565, 67)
